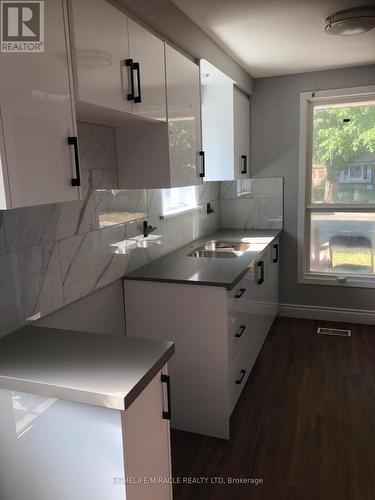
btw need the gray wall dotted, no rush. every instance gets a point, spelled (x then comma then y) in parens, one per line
(275, 150)
(168, 20)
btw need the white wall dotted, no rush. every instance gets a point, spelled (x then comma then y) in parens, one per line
(275, 149)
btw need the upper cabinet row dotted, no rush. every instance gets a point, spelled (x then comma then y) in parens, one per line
(100, 66)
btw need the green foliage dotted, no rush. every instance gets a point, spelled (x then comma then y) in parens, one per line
(336, 142)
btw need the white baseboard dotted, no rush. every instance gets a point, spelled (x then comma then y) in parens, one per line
(363, 316)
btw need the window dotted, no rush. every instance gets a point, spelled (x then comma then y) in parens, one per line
(177, 200)
(337, 187)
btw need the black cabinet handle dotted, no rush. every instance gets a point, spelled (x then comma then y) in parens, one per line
(261, 279)
(242, 376)
(73, 141)
(240, 293)
(276, 248)
(240, 331)
(244, 164)
(130, 64)
(137, 67)
(203, 171)
(166, 379)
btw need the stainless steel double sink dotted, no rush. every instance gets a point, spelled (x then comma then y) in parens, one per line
(229, 249)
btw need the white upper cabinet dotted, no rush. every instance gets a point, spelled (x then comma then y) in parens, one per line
(119, 65)
(241, 121)
(37, 163)
(184, 119)
(147, 55)
(226, 126)
(173, 156)
(101, 46)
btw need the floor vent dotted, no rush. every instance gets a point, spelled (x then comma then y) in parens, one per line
(334, 331)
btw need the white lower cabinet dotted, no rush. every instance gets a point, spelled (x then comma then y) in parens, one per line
(73, 451)
(218, 336)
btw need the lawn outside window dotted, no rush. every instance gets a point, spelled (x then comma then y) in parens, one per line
(336, 233)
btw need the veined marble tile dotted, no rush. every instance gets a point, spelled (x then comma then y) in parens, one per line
(208, 191)
(262, 187)
(32, 226)
(91, 261)
(271, 213)
(240, 213)
(3, 246)
(154, 202)
(37, 280)
(10, 314)
(97, 147)
(77, 217)
(116, 207)
(104, 179)
(230, 189)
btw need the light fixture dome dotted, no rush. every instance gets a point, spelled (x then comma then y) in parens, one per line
(350, 21)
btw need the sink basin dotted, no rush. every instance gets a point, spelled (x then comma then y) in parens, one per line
(221, 249)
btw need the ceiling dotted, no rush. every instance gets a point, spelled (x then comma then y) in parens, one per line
(278, 37)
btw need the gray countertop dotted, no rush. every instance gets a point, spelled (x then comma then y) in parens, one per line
(102, 370)
(179, 267)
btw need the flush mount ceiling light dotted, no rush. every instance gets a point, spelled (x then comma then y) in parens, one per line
(351, 21)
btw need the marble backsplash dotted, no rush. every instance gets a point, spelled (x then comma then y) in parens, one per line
(52, 255)
(252, 203)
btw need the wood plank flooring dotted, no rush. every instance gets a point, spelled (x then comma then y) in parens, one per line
(305, 423)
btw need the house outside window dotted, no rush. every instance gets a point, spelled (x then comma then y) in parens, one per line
(337, 189)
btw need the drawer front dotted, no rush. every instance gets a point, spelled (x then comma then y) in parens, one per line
(243, 363)
(238, 331)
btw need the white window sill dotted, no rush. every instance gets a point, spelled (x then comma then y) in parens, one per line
(332, 280)
(179, 211)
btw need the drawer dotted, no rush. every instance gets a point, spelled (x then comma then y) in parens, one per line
(248, 288)
(238, 330)
(243, 363)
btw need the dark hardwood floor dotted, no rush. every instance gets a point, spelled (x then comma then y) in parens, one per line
(305, 423)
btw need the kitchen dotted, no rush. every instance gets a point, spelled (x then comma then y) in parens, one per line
(173, 235)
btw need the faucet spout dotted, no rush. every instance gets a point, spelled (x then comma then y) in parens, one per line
(148, 228)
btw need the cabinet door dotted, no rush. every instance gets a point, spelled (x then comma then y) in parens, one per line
(184, 119)
(37, 109)
(147, 443)
(147, 52)
(101, 47)
(241, 110)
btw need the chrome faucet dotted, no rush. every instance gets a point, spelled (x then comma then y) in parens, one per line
(148, 228)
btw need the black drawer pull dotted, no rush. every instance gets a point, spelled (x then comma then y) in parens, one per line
(242, 376)
(240, 293)
(73, 141)
(130, 64)
(244, 164)
(240, 331)
(260, 280)
(276, 248)
(166, 379)
(137, 68)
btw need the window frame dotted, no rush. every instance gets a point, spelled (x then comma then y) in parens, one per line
(187, 201)
(305, 207)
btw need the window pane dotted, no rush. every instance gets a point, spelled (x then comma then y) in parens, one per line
(343, 153)
(342, 242)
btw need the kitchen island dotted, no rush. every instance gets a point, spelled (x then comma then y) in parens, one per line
(83, 416)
